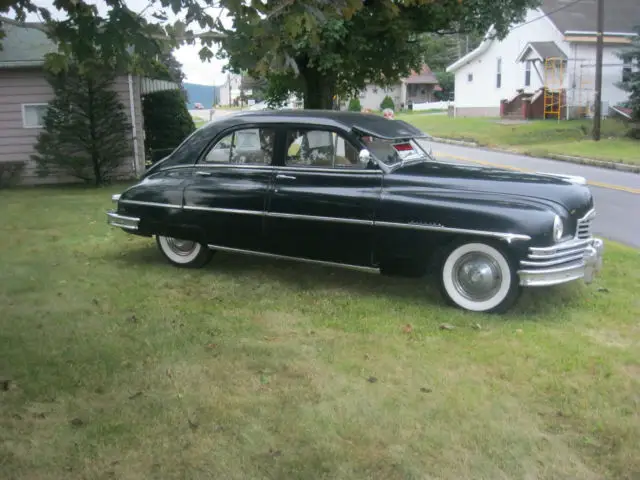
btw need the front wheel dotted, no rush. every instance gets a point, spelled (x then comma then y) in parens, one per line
(479, 277)
(184, 253)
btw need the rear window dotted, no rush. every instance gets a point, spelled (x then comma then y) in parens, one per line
(395, 151)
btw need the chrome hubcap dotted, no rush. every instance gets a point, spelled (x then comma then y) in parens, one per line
(477, 276)
(181, 247)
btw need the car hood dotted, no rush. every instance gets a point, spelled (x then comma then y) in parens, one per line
(502, 184)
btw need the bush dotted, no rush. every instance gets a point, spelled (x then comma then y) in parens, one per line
(167, 123)
(10, 173)
(354, 105)
(387, 103)
(86, 132)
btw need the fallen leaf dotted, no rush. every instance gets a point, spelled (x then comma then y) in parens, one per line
(135, 395)
(425, 390)
(372, 379)
(77, 422)
(407, 328)
(476, 326)
(446, 326)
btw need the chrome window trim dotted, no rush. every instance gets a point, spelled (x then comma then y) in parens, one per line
(276, 167)
(224, 210)
(151, 204)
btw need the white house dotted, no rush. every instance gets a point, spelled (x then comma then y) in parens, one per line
(554, 47)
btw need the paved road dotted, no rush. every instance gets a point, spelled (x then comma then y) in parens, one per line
(617, 194)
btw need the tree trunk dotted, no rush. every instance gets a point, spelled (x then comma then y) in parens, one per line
(318, 89)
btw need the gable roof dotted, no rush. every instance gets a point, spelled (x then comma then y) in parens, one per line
(543, 49)
(424, 76)
(24, 47)
(621, 16)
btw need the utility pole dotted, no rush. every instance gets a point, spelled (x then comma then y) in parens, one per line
(597, 110)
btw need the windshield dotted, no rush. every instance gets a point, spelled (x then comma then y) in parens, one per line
(396, 151)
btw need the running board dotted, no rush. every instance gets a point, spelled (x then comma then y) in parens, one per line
(295, 259)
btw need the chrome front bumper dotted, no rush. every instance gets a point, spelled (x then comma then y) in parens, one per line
(122, 221)
(573, 260)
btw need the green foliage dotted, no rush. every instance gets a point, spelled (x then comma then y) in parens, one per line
(354, 105)
(10, 173)
(631, 83)
(316, 48)
(86, 131)
(387, 102)
(447, 81)
(167, 122)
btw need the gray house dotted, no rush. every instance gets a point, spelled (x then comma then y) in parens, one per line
(25, 93)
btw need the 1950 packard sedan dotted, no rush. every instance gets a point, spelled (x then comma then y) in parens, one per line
(360, 190)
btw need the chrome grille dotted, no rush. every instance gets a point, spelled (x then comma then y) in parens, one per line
(583, 226)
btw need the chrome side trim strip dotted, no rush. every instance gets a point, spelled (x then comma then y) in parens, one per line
(223, 210)
(297, 259)
(561, 254)
(509, 237)
(151, 204)
(269, 168)
(353, 221)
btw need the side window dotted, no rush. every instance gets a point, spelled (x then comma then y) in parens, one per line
(253, 146)
(320, 148)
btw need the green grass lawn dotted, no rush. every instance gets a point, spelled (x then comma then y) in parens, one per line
(198, 121)
(122, 366)
(541, 137)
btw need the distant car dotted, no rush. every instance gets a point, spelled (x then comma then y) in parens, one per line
(198, 106)
(353, 189)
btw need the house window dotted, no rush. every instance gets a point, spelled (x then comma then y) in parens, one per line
(33, 115)
(470, 77)
(499, 73)
(527, 73)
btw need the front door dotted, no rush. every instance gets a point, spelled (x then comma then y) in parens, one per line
(323, 201)
(228, 191)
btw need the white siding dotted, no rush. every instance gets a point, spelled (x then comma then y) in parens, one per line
(18, 87)
(583, 71)
(482, 92)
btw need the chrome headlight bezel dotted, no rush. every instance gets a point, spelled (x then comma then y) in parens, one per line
(558, 229)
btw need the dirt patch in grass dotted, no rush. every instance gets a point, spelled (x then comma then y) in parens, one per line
(122, 366)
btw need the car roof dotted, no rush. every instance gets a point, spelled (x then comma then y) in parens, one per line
(365, 123)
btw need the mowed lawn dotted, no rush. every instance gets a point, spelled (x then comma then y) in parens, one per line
(115, 364)
(537, 137)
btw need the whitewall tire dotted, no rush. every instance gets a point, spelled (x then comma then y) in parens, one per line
(479, 277)
(184, 253)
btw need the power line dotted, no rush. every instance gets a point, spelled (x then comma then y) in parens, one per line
(546, 14)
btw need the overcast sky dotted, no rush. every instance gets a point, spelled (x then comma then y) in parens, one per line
(196, 71)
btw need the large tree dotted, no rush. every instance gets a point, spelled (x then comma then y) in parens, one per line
(314, 47)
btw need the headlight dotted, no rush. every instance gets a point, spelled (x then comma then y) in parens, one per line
(557, 228)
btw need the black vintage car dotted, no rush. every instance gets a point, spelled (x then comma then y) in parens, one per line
(360, 190)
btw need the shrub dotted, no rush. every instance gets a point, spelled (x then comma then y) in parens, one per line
(387, 103)
(167, 123)
(354, 105)
(10, 173)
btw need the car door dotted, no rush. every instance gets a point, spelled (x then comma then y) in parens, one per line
(228, 190)
(323, 202)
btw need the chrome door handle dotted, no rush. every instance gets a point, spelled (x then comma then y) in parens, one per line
(285, 177)
(201, 173)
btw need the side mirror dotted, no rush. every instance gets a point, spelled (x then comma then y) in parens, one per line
(364, 157)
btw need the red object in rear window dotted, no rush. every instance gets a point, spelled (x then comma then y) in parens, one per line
(403, 147)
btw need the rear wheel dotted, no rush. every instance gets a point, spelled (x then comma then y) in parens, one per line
(479, 277)
(184, 253)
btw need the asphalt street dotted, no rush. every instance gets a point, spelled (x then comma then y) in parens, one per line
(616, 193)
